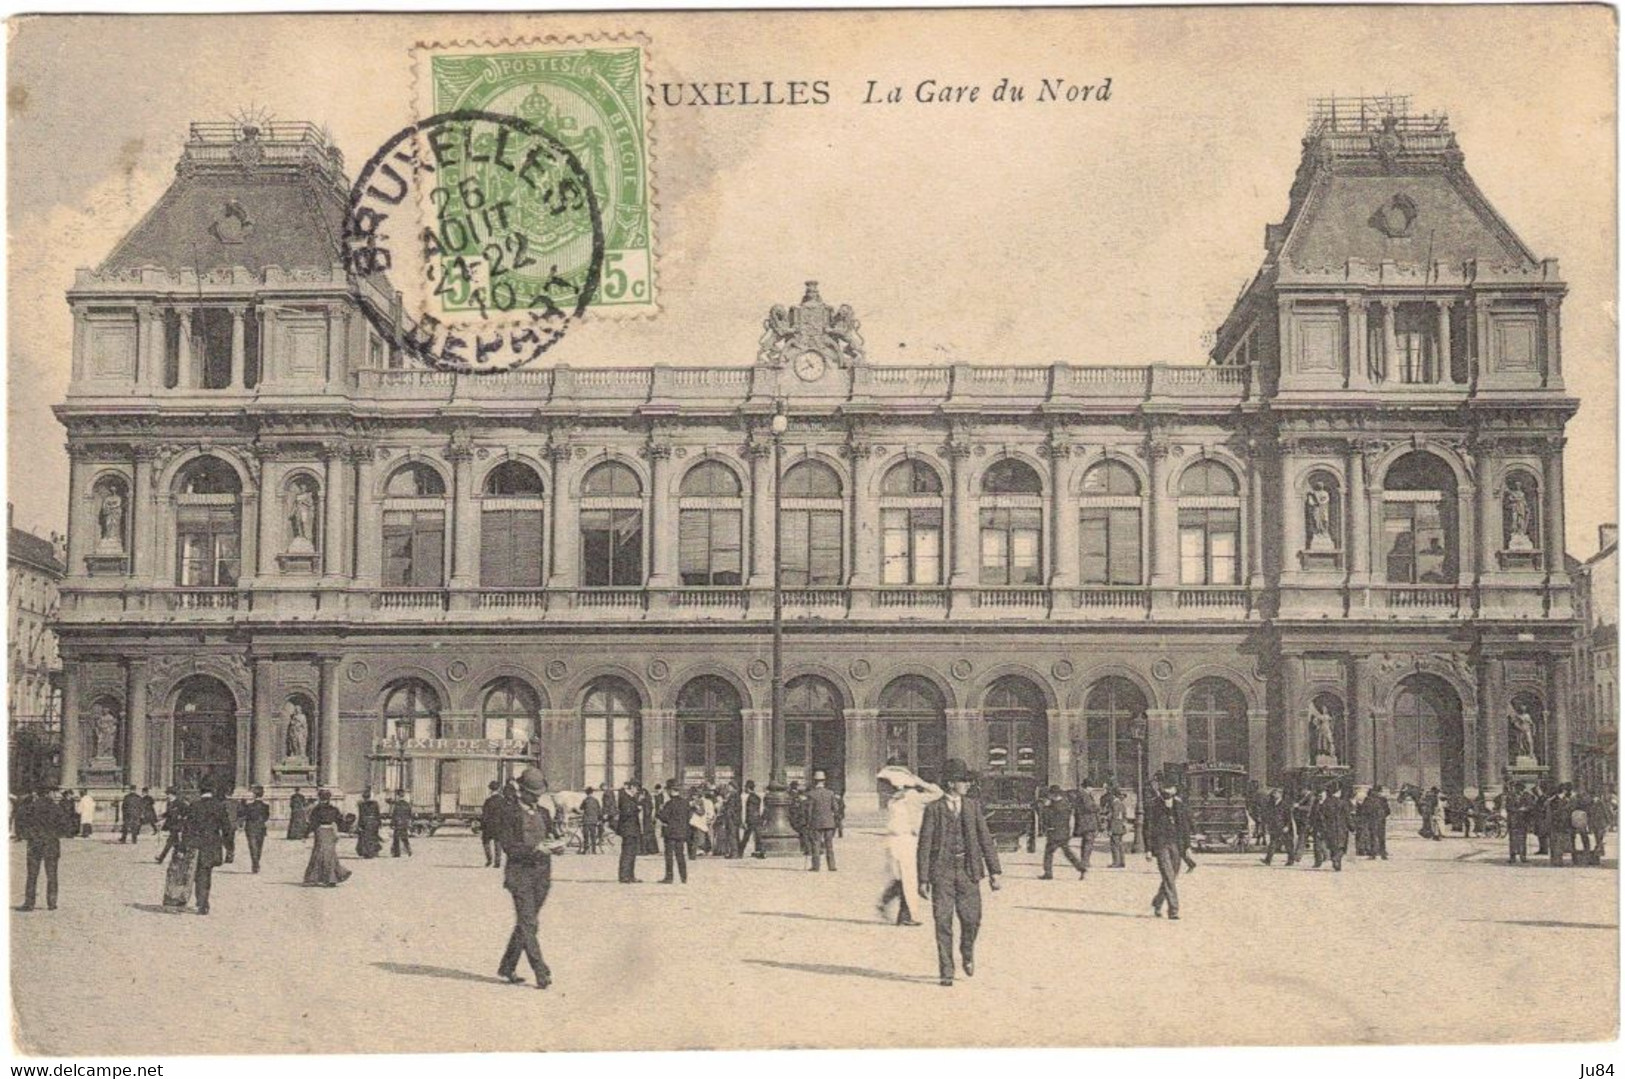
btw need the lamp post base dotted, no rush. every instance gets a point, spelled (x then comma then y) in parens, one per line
(777, 838)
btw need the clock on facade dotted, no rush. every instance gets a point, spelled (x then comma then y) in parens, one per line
(809, 366)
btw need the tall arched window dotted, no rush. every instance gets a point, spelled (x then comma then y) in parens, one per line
(915, 719)
(813, 732)
(1427, 734)
(512, 527)
(1017, 728)
(1216, 723)
(911, 525)
(415, 528)
(710, 732)
(710, 526)
(611, 527)
(208, 525)
(1419, 525)
(612, 732)
(1012, 524)
(411, 710)
(1110, 712)
(1109, 526)
(811, 526)
(509, 709)
(1209, 525)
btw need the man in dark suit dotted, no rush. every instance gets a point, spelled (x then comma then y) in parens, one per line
(1085, 822)
(526, 834)
(400, 825)
(174, 820)
(492, 814)
(753, 819)
(1334, 829)
(821, 802)
(42, 824)
(130, 817)
(1056, 821)
(149, 810)
(1277, 816)
(1517, 814)
(1375, 812)
(1167, 838)
(673, 816)
(955, 847)
(256, 822)
(629, 826)
(1302, 809)
(206, 831)
(592, 823)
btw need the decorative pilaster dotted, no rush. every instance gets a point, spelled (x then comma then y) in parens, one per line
(659, 540)
(143, 510)
(958, 449)
(72, 740)
(263, 722)
(186, 377)
(1493, 712)
(135, 722)
(659, 745)
(758, 745)
(863, 753)
(333, 471)
(1554, 541)
(1063, 552)
(562, 522)
(1362, 731)
(1293, 710)
(1486, 514)
(864, 516)
(759, 452)
(1552, 370)
(1390, 343)
(1062, 767)
(1446, 372)
(1164, 524)
(1359, 337)
(465, 544)
(1562, 762)
(150, 348)
(239, 378)
(368, 531)
(329, 747)
(1359, 529)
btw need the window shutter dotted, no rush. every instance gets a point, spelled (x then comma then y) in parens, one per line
(693, 542)
(496, 549)
(726, 531)
(793, 547)
(628, 536)
(397, 550)
(1092, 541)
(825, 553)
(428, 550)
(525, 571)
(1125, 546)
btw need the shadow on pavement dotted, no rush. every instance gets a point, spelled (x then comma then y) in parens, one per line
(875, 922)
(845, 972)
(158, 908)
(423, 971)
(1539, 923)
(1089, 913)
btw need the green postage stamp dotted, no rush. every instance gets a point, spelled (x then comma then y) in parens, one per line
(589, 95)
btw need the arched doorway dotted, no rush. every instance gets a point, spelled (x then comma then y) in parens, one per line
(710, 732)
(1017, 729)
(814, 736)
(205, 735)
(915, 718)
(1428, 735)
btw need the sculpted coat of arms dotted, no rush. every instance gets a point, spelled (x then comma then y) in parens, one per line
(811, 328)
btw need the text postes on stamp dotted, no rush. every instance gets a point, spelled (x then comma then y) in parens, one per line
(590, 96)
(489, 227)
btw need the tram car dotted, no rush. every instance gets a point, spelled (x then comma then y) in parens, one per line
(1216, 795)
(447, 779)
(1008, 800)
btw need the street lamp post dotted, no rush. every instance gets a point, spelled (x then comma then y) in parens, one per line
(777, 835)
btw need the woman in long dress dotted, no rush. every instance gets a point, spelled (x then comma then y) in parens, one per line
(905, 810)
(369, 827)
(725, 832)
(298, 815)
(324, 867)
(648, 844)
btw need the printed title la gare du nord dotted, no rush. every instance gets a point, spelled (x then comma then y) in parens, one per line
(878, 92)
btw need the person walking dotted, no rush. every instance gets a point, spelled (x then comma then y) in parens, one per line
(674, 822)
(1559, 817)
(1303, 810)
(298, 815)
(753, 820)
(1378, 811)
(41, 824)
(1167, 836)
(492, 814)
(954, 850)
(174, 819)
(256, 822)
(400, 825)
(205, 836)
(526, 834)
(323, 867)
(1602, 819)
(1085, 822)
(149, 810)
(1277, 815)
(729, 814)
(87, 813)
(629, 826)
(1333, 833)
(130, 809)
(821, 820)
(650, 844)
(1518, 806)
(1116, 813)
(592, 823)
(1056, 820)
(369, 826)
(905, 810)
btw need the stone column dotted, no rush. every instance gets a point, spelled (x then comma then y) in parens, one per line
(1362, 731)
(1492, 707)
(1061, 767)
(967, 737)
(1469, 746)
(1562, 762)
(1480, 309)
(1359, 336)
(81, 530)
(239, 379)
(1390, 342)
(659, 745)
(863, 757)
(1258, 754)
(758, 745)
(1294, 707)
(264, 722)
(77, 359)
(659, 537)
(1164, 521)
(965, 562)
(1552, 369)
(559, 732)
(465, 543)
(1554, 541)
(1446, 372)
(71, 742)
(328, 750)
(759, 452)
(135, 719)
(566, 520)
(1063, 554)
(248, 537)
(1357, 538)
(1255, 514)
(1487, 518)
(143, 507)
(333, 511)
(271, 473)
(369, 543)
(865, 515)
(150, 348)
(185, 376)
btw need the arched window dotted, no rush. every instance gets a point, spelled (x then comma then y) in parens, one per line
(1427, 734)
(411, 710)
(813, 731)
(1322, 513)
(1017, 728)
(710, 732)
(911, 525)
(1109, 535)
(611, 527)
(612, 731)
(710, 526)
(812, 526)
(208, 525)
(1110, 714)
(915, 719)
(1216, 724)
(509, 709)
(1209, 525)
(1012, 519)
(512, 527)
(1520, 512)
(415, 528)
(1419, 521)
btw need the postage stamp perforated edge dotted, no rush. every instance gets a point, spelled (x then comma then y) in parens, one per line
(421, 55)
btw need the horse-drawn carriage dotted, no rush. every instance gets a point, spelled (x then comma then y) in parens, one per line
(1216, 795)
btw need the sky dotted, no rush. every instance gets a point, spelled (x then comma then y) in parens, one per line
(1103, 233)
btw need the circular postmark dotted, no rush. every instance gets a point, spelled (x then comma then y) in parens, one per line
(489, 228)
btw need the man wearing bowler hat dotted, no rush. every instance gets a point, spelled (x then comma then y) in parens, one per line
(955, 848)
(256, 820)
(1168, 837)
(821, 821)
(526, 835)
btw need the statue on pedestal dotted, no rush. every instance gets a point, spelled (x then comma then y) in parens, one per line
(1317, 508)
(1517, 517)
(110, 521)
(1523, 733)
(302, 517)
(1322, 739)
(105, 734)
(297, 738)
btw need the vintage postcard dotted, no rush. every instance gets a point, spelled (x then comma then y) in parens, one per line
(586, 531)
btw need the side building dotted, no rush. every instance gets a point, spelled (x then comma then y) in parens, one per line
(1596, 704)
(34, 571)
(297, 558)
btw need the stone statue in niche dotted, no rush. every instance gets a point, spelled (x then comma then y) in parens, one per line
(1522, 725)
(1516, 507)
(1317, 509)
(302, 517)
(104, 734)
(297, 739)
(110, 520)
(1322, 740)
